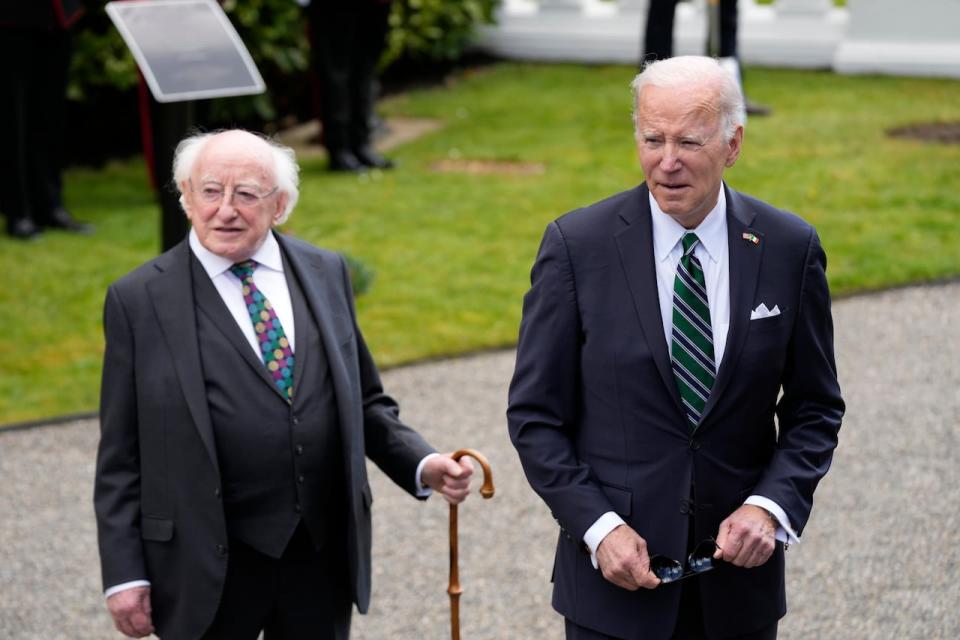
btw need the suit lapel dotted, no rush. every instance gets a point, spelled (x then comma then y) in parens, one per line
(171, 293)
(745, 258)
(320, 287)
(635, 245)
(301, 322)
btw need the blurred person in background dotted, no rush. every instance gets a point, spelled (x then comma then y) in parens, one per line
(35, 46)
(347, 39)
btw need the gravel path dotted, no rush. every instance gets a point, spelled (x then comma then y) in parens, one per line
(879, 559)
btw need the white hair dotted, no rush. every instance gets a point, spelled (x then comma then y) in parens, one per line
(687, 70)
(285, 168)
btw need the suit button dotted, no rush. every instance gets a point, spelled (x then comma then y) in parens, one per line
(216, 492)
(221, 549)
(299, 449)
(296, 420)
(694, 444)
(296, 507)
(684, 507)
(300, 479)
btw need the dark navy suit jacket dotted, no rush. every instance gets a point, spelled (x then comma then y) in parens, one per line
(595, 414)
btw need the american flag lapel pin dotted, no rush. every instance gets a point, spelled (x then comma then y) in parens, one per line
(750, 237)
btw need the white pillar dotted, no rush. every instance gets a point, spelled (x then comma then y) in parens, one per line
(813, 8)
(633, 6)
(888, 36)
(791, 33)
(549, 6)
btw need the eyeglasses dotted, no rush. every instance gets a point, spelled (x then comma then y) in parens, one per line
(243, 196)
(700, 561)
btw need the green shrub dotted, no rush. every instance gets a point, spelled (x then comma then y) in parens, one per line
(361, 275)
(435, 29)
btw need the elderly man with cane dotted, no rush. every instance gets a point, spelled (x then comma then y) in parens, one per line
(238, 406)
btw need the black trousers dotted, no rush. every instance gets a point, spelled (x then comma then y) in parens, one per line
(33, 83)
(576, 632)
(348, 39)
(301, 596)
(658, 33)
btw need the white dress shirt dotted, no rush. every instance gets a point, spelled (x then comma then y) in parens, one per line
(269, 278)
(713, 254)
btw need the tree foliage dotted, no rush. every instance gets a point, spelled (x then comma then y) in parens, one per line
(435, 29)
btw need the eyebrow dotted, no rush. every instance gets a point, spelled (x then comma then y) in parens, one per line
(239, 185)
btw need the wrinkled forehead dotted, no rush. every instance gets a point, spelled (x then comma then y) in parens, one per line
(689, 106)
(235, 158)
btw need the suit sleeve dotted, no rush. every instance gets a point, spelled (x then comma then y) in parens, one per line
(810, 409)
(544, 398)
(393, 446)
(117, 480)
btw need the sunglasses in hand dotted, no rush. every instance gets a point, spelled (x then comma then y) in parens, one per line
(699, 561)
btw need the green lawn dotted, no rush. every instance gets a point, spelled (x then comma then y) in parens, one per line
(452, 251)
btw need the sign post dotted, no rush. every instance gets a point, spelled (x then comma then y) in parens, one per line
(186, 50)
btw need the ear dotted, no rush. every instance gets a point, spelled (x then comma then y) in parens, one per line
(185, 199)
(734, 146)
(281, 202)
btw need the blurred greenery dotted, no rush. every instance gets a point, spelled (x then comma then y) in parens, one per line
(361, 276)
(452, 250)
(273, 30)
(434, 29)
(275, 33)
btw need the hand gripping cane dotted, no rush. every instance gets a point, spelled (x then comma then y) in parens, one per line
(454, 587)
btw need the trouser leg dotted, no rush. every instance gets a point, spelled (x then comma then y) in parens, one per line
(658, 32)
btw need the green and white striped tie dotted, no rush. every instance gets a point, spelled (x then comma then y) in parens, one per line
(691, 349)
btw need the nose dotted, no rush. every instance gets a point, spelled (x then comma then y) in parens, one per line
(226, 209)
(670, 159)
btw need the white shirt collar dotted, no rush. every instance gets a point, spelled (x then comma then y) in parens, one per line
(667, 232)
(268, 255)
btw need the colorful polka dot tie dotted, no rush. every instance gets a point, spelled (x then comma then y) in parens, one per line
(274, 346)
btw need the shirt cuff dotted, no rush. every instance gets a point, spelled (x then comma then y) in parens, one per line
(126, 585)
(422, 491)
(785, 532)
(598, 531)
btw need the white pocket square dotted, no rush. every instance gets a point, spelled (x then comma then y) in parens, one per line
(762, 312)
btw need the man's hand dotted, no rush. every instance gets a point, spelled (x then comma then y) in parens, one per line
(623, 560)
(131, 612)
(747, 537)
(448, 477)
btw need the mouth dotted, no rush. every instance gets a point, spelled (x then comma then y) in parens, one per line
(231, 231)
(673, 187)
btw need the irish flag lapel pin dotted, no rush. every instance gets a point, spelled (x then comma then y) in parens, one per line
(749, 237)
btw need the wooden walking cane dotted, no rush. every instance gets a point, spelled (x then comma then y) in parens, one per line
(454, 587)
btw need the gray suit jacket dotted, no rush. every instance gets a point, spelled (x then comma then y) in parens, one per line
(157, 499)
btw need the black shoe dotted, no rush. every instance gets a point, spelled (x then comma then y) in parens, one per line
(369, 156)
(754, 109)
(23, 229)
(346, 161)
(60, 218)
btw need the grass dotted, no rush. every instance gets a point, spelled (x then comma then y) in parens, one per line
(452, 252)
